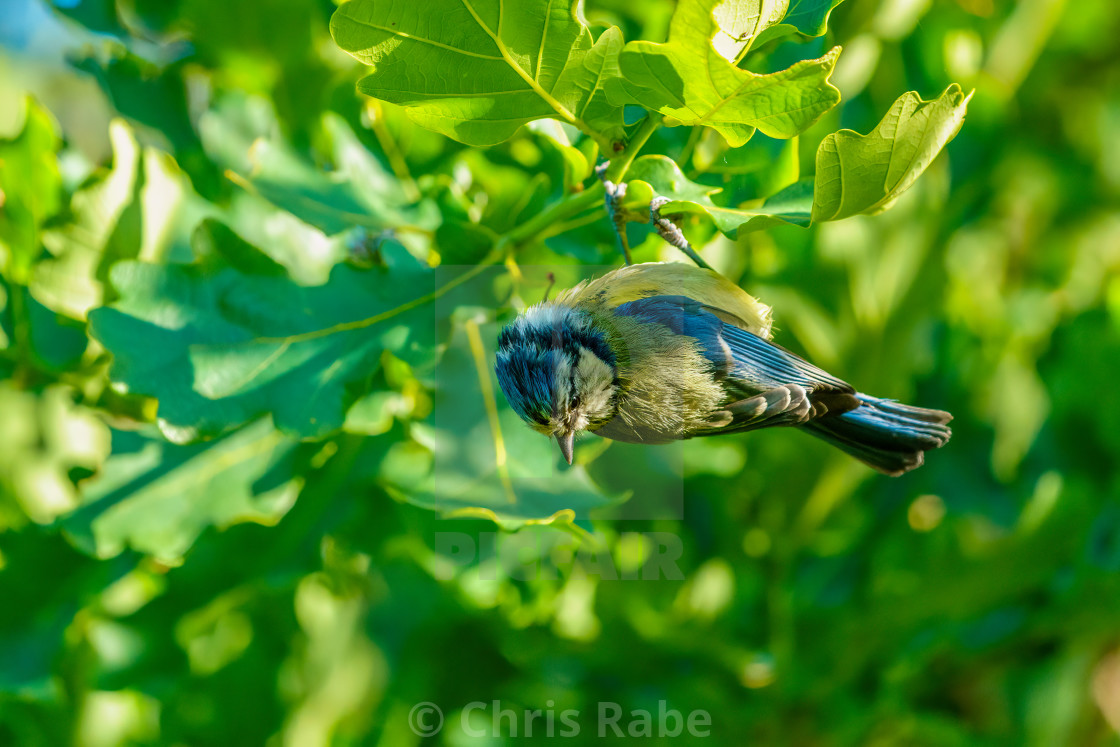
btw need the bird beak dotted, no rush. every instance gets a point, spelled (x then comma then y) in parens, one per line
(567, 445)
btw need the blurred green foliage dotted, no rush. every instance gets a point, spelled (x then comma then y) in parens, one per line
(216, 520)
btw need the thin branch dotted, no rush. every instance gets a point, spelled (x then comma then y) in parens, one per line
(478, 354)
(392, 151)
(689, 147)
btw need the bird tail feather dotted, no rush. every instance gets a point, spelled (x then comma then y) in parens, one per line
(884, 434)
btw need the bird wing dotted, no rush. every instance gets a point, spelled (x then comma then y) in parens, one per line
(654, 279)
(766, 384)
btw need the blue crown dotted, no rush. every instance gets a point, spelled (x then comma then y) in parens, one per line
(531, 348)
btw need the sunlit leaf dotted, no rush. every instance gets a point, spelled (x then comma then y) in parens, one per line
(107, 225)
(46, 438)
(691, 83)
(866, 173)
(487, 67)
(30, 190)
(739, 22)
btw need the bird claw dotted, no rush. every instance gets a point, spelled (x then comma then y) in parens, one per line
(672, 233)
(666, 229)
(655, 206)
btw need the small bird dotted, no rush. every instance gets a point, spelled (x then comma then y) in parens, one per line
(658, 352)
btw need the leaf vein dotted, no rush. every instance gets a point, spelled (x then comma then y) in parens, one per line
(424, 40)
(544, 36)
(556, 105)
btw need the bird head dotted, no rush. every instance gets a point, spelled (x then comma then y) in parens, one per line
(557, 369)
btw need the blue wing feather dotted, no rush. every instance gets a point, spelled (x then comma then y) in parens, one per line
(750, 363)
(776, 387)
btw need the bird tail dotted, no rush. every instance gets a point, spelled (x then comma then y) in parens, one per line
(884, 434)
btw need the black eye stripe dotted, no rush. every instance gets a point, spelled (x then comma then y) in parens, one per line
(572, 395)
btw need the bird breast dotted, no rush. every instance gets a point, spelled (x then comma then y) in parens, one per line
(665, 385)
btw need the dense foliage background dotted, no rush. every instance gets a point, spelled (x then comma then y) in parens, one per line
(193, 552)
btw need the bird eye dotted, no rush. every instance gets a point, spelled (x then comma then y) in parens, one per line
(575, 402)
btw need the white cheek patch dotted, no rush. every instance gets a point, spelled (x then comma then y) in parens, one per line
(595, 386)
(562, 382)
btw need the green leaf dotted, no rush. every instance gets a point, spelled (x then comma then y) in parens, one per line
(555, 497)
(107, 226)
(144, 91)
(216, 242)
(462, 243)
(156, 498)
(33, 335)
(810, 17)
(307, 216)
(220, 343)
(486, 67)
(512, 195)
(691, 83)
(577, 166)
(791, 205)
(866, 173)
(56, 342)
(241, 134)
(30, 190)
(805, 17)
(46, 437)
(41, 613)
(712, 155)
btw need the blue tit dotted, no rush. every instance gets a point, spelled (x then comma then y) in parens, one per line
(654, 353)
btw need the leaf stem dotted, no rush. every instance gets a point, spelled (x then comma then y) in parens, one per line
(621, 163)
(21, 330)
(491, 259)
(392, 151)
(563, 210)
(743, 52)
(530, 80)
(566, 208)
(572, 225)
(689, 146)
(615, 194)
